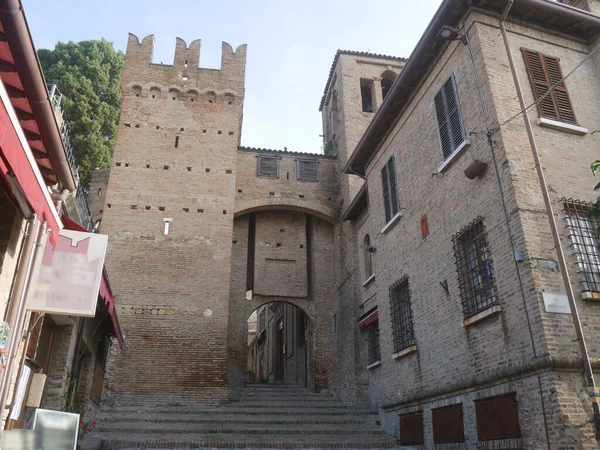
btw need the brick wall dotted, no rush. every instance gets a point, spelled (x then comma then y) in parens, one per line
(175, 157)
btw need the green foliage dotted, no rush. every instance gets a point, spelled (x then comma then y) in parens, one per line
(88, 73)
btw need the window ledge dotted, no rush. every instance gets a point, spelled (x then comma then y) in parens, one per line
(368, 280)
(373, 365)
(407, 351)
(455, 154)
(593, 296)
(561, 126)
(492, 310)
(392, 221)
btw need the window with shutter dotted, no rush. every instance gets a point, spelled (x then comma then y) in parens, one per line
(411, 429)
(390, 190)
(268, 167)
(448, 426)
(497, 418)
(307, 170)
(449, 119)
(544, 73)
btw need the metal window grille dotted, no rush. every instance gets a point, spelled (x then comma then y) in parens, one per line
(390, 190)
(307, 170)
(268, 166)
(449, 117)
(402, 324)
(374, 352)
(474, 266)
(584, 231)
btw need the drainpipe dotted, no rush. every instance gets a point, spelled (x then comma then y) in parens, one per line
(589, 374)
(17, 305)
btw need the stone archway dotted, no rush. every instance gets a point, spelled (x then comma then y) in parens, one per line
(281, 256)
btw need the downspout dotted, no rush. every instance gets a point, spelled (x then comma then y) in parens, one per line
(17, 305)
(589, 374)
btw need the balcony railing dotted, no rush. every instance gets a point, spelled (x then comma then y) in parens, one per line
(56, 101)
(83, 209)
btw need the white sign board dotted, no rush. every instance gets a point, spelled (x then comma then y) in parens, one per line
(68, 279)
(556, 303)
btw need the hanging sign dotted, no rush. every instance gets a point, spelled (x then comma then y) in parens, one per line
(68, 278)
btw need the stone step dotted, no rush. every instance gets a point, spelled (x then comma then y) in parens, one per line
(240, 428)
(118, 441)
(264, 419)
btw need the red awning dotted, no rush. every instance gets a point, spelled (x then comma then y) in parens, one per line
(17, 160)
(105, 292)
(368, 318)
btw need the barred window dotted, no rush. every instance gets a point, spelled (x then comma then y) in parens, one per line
(373, 350)
(583, 231)
(390, 190)
(449, 119)
(474, 267)
(402, 325)
(268, 166)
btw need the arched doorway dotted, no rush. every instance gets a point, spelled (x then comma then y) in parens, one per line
(277, 345)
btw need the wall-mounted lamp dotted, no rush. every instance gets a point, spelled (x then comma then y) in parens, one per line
(450, 33)
(475, 169)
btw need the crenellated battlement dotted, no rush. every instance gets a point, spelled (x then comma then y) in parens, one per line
(140, 54)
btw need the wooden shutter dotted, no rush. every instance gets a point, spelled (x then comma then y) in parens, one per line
(386, 193)
(449, 118)
(448, 426)
(308, 170)
(497, 418)
(411, 429)
(544, 71)
(390, 189)
(97, 384)
(268, 166)
(34, 337)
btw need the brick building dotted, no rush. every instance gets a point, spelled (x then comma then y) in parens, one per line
(418, 246)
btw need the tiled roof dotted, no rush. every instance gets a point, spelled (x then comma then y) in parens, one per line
(353, 53)
(284, 152)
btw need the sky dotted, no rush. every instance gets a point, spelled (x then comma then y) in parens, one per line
(291, 45)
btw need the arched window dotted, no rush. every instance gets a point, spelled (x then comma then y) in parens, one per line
(211, 97)
(136, 90)
(154, 92)
(387, 79)
(229, 99)
(173, 94)
(368, 256)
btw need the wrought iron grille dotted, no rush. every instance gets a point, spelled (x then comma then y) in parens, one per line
(584, 233)
(402, 325)
(374, 352)
(474, 266)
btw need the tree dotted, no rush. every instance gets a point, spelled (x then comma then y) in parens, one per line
(88, 74)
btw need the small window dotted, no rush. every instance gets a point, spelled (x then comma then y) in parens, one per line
(368, 252)
(136, 91)
(390, 190)
(366, 94)
(373, 349)
(155, 92)
(497, 418)
(268, 166)
(229, 99)
(448, 425)
(411, 429)
(583, 231)
(474, 266)
(307, 170)
(387, 80)
(174, 94)
(211, 97)
(402, 323)
(544, 72)
(449, 119)
(192, 95)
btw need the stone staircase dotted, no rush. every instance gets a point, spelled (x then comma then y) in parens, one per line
(266, 416)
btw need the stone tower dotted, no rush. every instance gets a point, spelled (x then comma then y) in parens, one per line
(354, 91)
(169, 215)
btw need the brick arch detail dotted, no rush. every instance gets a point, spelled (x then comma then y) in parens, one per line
(305, 206)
